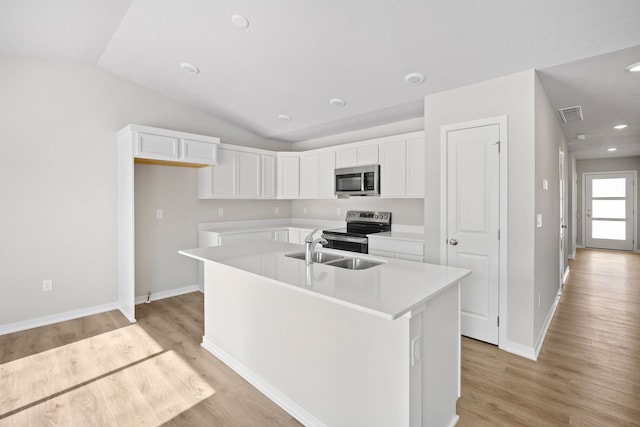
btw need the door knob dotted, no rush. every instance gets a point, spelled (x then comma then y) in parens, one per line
(453, 242)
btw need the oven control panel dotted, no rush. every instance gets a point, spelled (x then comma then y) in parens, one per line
(368, 216)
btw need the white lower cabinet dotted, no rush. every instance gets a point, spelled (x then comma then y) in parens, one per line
(410, 249)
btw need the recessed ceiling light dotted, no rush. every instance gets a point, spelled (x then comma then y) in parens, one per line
(240, 21)
(337, 102)
(620, 126)
(581, 136)
(633, 68)
(414, 78)
(284, 118)
(189, 68)
(611, 149)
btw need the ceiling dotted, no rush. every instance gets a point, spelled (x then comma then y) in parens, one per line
(296, 55)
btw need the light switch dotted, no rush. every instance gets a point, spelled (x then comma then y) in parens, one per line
(545, 184)
(539, 221)
(159, 213)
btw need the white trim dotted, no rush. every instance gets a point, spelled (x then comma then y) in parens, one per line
(155, 296)
(56, 318)
(454, 422)
(547, 323)
(579, 247)
(280, 399)
(502, 122)
(533, 352)
(565, 276)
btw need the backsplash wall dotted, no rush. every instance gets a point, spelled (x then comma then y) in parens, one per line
(405, 211)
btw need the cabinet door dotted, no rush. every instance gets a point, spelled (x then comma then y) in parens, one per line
(223, 175)
(268, 176)
(346, 157)
(326, 175)
(415, 167)
(198, 152)
(248, 169)
(157, 147)
(392, 169)
(367, 155)
(288, 177)
(309, 176)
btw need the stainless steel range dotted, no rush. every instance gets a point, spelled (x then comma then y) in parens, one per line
(359, 225)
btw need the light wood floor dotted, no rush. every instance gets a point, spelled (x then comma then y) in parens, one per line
(102, 371)
(588, 372)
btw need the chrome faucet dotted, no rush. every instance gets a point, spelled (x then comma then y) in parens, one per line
(309, 246)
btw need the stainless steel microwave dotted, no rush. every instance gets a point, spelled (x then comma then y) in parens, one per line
(358, 181)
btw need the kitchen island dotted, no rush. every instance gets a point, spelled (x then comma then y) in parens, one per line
(333, 346)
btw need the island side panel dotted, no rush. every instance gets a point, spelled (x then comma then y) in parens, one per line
(343, 366)
(441, 358)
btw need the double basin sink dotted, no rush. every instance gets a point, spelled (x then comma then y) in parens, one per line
(337, 260)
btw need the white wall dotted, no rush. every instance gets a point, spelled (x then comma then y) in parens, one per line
(549, 138)
(405, 211)
(159, 267)
(512, 95)
(603, 165)
(58, 179)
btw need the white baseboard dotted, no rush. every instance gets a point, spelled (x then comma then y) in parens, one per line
(168, 294)
(533, 352)
(280, 399)
(565, 276)
(580, 246)
(519, 350)
(56, 318)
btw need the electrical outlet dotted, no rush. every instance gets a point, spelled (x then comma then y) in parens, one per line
(277, 210)
(159, 213)
(539, 221)
(220, 211)
(304, 210)
(47, 285)
(416, 350)
(545, 184)
(539, 299)
(338, 211)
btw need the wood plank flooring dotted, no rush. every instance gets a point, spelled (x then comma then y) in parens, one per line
(588, 372)
(102, 371)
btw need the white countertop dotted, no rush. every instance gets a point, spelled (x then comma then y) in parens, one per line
(389, 290)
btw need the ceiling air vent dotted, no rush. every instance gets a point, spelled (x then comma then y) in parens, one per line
(571, 114)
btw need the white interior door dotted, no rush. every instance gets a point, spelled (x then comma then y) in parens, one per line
(609, 210)
(473, 214)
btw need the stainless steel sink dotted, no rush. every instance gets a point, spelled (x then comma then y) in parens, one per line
(353, 263)
(319, 257)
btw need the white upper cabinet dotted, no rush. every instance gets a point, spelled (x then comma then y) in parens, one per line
(165, 145)
(309, 176)
(365, 154)
(248, 173)
(402, 166)
(288, 175)
(269, 173)
(222, 178)
(326, 175)
(415, 166)
(238, 174)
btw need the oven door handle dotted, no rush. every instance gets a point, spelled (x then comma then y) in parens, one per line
(341, 238)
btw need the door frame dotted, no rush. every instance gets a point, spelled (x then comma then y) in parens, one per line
(583, 210)
(502, 122)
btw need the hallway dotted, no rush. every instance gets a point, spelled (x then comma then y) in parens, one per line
(588, 372)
